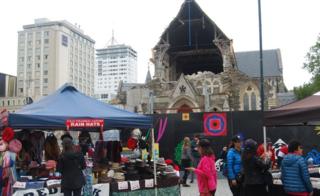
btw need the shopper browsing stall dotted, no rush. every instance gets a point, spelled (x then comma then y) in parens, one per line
(70, 165)
(294, 172)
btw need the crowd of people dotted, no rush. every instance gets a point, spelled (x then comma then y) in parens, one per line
(247, 167)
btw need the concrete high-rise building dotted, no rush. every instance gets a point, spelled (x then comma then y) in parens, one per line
(115, 63)
(51, 53)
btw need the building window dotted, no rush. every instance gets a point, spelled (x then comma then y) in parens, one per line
(46, 56)
(45, 72)
(45, 80)
(46, 41)
(46, 33)
(104, 96)
(37, 90)
(21, 90)
(253, 101)
(245, 102)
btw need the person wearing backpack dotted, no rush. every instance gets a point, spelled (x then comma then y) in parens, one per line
(255, 170)
(234, 166)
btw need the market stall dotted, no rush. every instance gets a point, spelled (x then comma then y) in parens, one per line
(68, 109)
(303, 112)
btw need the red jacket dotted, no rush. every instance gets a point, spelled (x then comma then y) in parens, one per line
(260, 151)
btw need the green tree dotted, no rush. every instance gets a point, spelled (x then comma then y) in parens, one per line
(312, 64)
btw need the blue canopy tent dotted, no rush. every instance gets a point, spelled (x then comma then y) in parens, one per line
(52, 112)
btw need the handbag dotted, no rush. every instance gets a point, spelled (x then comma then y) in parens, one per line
(240, 178)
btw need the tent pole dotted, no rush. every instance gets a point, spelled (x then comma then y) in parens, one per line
(154, 164)
(265, 139)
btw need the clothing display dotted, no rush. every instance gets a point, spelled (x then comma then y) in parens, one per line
(37, 139)
(114, 151)
(100, 152)
(51, 148)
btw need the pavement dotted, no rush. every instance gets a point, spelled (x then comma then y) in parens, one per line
(222, 189)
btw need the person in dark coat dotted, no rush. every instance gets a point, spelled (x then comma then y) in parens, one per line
(255, 169)
(186, 160)
(294, 172)
(70, 165)
(195, 153)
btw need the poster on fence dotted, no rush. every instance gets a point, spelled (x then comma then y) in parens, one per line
(215, 124)
(98, 190)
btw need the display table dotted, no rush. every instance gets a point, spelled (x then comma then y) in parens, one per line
(277, 187)
(168, 186)
(98, 190)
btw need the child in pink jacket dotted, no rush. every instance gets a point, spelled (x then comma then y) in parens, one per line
(206, 170)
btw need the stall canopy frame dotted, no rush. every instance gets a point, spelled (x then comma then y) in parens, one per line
(52, 111)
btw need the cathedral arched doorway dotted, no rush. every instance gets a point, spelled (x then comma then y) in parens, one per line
(183, 104)
(184, 109)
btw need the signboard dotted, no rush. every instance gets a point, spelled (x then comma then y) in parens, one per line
(185, 116)
(215, 124)
(98, 190)
(156, 151)
(84, 123)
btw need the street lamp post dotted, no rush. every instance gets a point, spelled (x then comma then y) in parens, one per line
(261, 59)
(261, 76)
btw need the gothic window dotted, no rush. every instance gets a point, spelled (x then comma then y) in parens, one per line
(199, 86)
(209, 87)
(216, 87)
(253, 101)
(245, 102)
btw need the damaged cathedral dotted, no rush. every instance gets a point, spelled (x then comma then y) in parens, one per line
(197, 70)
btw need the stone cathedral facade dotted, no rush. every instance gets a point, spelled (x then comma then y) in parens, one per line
(197, 70)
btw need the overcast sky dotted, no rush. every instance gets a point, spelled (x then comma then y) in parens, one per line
(291, 25)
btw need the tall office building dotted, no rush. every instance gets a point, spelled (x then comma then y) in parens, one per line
(115, 63)
(51, 53)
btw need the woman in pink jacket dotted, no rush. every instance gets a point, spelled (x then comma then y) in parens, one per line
(206, 170)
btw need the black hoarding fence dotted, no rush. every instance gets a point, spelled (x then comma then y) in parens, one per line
(247, 124)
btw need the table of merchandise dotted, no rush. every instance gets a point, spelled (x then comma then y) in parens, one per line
(277, 187)
(52, 188)
(166, 187)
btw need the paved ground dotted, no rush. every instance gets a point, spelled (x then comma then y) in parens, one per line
(222, 190)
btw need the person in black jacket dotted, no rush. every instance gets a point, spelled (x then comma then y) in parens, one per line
(255, 170)
(70, 165)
